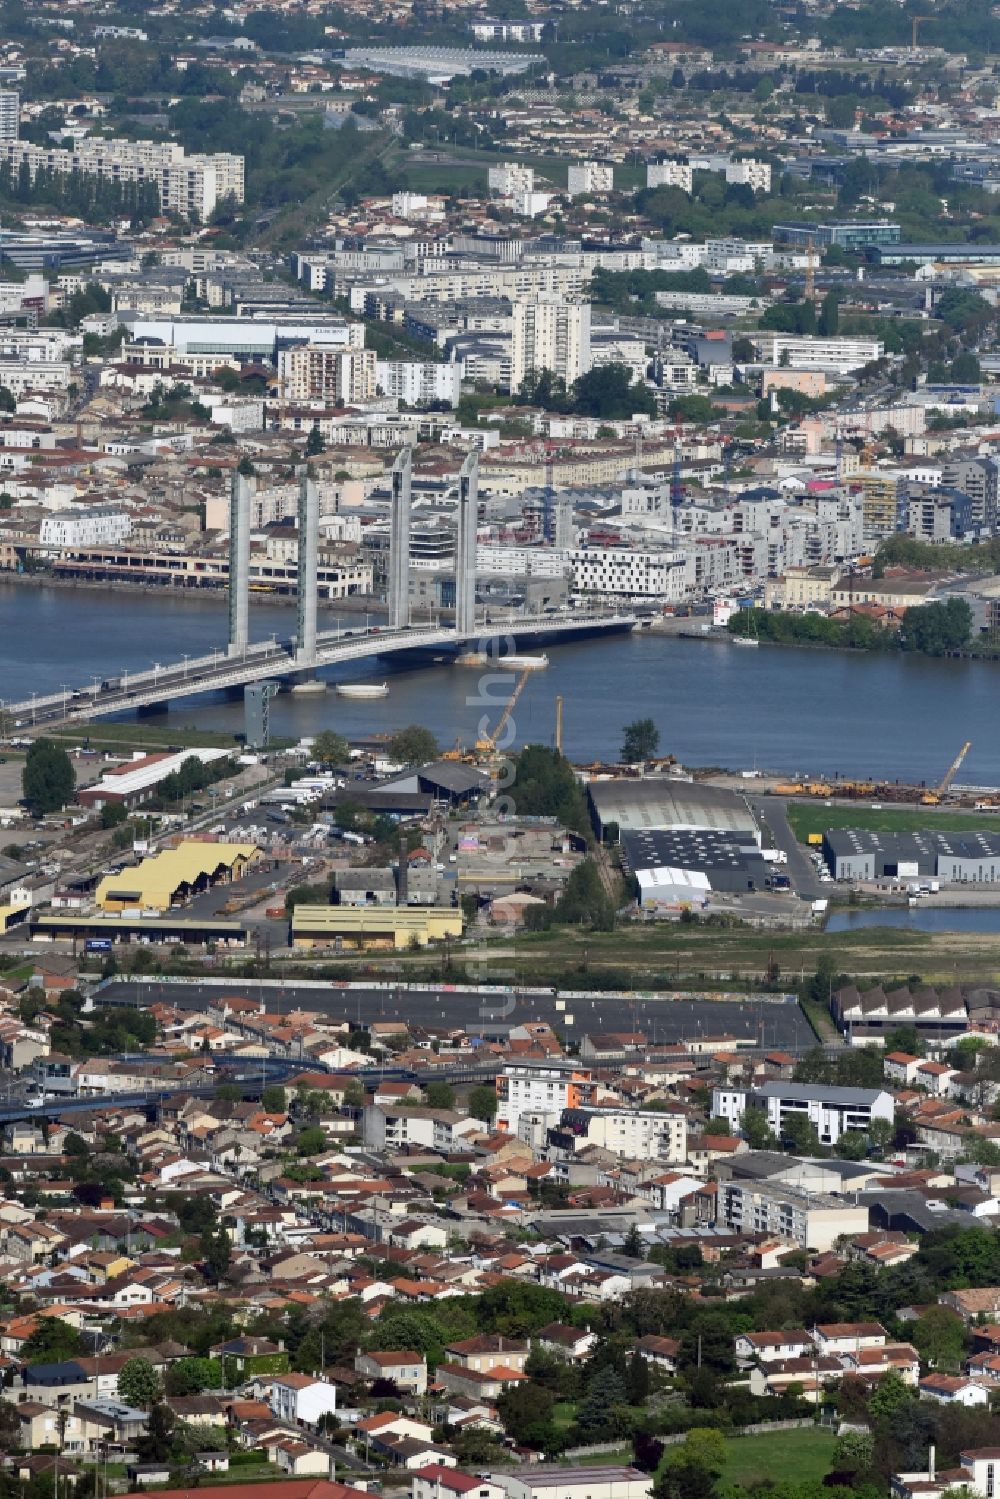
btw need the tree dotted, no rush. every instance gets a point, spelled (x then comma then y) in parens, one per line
(855, 1450)
(890, 1397)
(413, 745)
(641, 741)
(48, 779)
(311, 1141)
(216, 1250)
(330, 748)
(829, 314)
(756, 1131)
(526, 1413)
(189, 1376)
(638, 1380)
(440, 1095)
(634, 1245)
(273, 1099)
(940, 1336)
(605, 1390)
(314, 443)
(139, 1383)
(608, 392)
(483, 1103)
(155, 1445)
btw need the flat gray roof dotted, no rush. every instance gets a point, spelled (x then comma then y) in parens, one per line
(819, 1093)
(659, 804)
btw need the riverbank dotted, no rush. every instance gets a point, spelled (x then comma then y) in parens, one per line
(356, 604)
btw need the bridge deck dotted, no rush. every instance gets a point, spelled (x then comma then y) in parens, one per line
(279, 659)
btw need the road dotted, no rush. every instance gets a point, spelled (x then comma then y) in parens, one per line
(805, 880)
(772, 1024)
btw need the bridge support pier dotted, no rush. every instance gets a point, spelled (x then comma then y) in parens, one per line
(239, 565)
(399, 542)
(306, 577)
(465, 551)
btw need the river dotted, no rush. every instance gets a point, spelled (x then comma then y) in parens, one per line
(885, 716)
(920, 919)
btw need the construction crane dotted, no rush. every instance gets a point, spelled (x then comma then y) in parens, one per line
(488, 744)
(931, 798)
(916, 27)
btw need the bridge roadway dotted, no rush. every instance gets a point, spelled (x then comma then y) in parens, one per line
(270, 659)
(251, 1079)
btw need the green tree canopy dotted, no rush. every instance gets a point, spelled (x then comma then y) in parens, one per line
(48, 779)
(139, 1383)
(330, 748)
(413, 745)
(641, 741)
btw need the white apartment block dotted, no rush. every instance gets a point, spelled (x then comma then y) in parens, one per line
(85, 527)
(750, 173)
(10, 114)
(507, 31)
(319, 373)
(590, 177)
(507, 180)
(417, 383)
(186, 184)
(637, 1134)
(809, 1221)
(547, 1087)
(530, 205)
(671, 173)
(842, 354)
(550, 334)
(628, 574)
(831, 1111)
(519, 562)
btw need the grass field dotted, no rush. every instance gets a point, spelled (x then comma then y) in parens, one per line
(467, 169)
(696, 959)
(805, 818)
(807, 1453)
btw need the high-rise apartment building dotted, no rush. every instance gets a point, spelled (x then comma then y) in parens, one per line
(550, 334)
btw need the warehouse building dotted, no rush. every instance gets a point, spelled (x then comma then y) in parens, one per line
(359, 927)
(959, 858)
(705, 859)
(659, 803)
(174, 877)
(137, 780)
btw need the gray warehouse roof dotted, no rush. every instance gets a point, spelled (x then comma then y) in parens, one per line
(661, 803)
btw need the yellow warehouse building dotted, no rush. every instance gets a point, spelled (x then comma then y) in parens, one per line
(175, 876)
(393, 927)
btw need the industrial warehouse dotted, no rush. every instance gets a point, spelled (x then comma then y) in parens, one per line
(961, 859)
(174, 877)
(684, 841)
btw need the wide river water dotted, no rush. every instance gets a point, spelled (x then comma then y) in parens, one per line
(895, 717)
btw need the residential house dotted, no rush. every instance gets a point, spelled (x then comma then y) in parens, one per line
(406, 1369)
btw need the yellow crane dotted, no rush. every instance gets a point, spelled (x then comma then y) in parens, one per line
(488, 744)
(931, 798)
